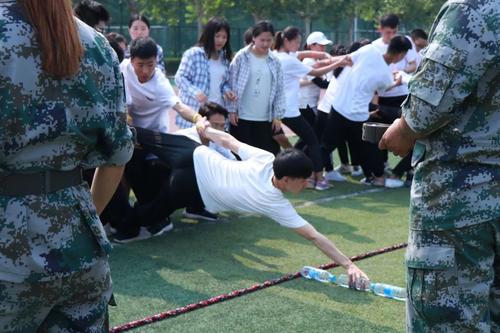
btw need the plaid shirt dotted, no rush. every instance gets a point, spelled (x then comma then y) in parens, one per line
(193, 77)
(239, 73)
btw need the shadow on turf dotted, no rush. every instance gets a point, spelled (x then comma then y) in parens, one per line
(198, 261)
(335, 227)
(219, 251)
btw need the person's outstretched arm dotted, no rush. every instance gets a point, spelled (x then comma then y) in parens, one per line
(356, 276)
(223, 139)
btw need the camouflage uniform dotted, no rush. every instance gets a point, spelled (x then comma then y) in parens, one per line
(54, 270)
(453, 257)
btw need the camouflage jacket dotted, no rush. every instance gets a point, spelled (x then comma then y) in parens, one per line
(454, 102)
(47, 124)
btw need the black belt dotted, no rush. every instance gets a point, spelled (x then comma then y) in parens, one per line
(44, 182)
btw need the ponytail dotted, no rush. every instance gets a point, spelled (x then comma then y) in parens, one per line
(57, 35)
(289, 33)
(279, 41)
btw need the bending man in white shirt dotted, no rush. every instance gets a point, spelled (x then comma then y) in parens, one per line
(256, 184)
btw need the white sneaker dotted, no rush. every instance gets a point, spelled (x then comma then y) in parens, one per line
(335, 176)
(394, 183)
(344, 168)
(356, 171)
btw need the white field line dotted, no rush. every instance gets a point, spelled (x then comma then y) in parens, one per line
(338, 197)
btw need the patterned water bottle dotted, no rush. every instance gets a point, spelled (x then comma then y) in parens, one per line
(317, 274)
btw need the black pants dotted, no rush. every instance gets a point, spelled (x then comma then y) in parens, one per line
(256, 133)
(180, 190)
(319, 128)
(389, 107)
(310, 116)
(145, 175)
(343, 155)
(118, 207)
(305, 132)
(393, 105)
(339, 130)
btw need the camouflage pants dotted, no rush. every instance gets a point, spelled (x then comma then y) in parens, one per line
(77, 303)
(453, 280)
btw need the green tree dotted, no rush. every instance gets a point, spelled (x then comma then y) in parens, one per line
(261, 9)
(198, 11)
(308, 10)
(413, 13)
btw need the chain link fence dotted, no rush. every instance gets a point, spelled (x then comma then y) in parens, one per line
(176, 39)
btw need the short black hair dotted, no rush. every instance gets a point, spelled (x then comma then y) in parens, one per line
(144, 48)
(261, 27)
(399, 44)
(211, 108)
(91, 12)
(114, 39)
(137, 17)
(118, 50)
(418, 33)
(338, 49)
(389, 20)
(117, 37)
(292, 163)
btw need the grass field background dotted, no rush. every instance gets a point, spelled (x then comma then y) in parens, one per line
(198, 260)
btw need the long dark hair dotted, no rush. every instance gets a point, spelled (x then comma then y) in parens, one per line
(207, 38)
(289, 33)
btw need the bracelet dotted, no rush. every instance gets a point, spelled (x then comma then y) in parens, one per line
(196, 117)
(277, 120)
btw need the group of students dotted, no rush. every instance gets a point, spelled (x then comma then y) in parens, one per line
(54, 271)
(270, 82)
(68, 115)
(324, 99)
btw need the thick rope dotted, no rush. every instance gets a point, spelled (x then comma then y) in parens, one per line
(240, 292)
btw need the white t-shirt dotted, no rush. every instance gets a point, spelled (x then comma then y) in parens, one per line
(192, 133)
(257, 92)
(309, 94)
(243, 186)
(217, 71)
(293, 71)
(356, 85)
(148, 103)
(411, 55)
(325, 103)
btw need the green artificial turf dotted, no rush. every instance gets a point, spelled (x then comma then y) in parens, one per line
(199, 260)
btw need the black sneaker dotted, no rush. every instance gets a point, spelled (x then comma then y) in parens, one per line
(161, 227)
(201, 214)
(123, 237)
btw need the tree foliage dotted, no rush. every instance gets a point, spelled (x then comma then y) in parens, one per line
(174, 12)
(413, 13)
